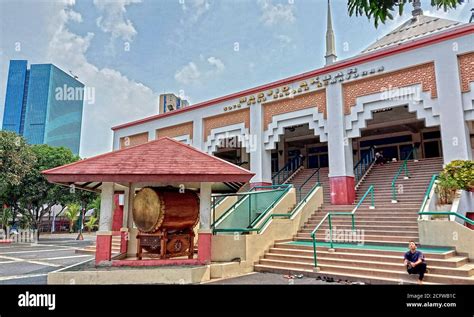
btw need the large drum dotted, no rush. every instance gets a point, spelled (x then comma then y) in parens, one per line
(156, 209)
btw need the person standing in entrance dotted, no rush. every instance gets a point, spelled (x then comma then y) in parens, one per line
(415, 262)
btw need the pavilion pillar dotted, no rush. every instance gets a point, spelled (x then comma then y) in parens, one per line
(131, 196)
(341, 159)
(205, 232)
(104, 235)
(124, 230)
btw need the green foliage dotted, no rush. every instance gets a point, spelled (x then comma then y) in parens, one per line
(456, 175)
(72, 213)
(381, 10)
(91, 224)
(6, 217)
(95, 204)
(16, 160)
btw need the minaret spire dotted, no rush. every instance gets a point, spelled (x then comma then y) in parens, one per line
(417, 8)
(330, 40)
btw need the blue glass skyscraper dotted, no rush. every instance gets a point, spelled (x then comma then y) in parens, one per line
(44, 104)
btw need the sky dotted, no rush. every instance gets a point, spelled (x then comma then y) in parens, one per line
(130, 51)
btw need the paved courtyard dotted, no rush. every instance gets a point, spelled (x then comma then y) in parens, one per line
(25, 263)
(270, 279)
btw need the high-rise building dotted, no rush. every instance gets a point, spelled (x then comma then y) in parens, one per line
(44, 104)
(170, 102)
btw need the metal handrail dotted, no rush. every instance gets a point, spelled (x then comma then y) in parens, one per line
(287, 215)
(234, 205)
(285, 189)
(428, 191)
(447, 213)
(301, 202)
(407, 174)
(288, 187)
(329, 216)
(363, 165)
(287, 170)
(307, 180)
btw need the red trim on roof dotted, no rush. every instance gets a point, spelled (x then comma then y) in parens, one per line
(366, 57)
(162, 160)
(160, 178)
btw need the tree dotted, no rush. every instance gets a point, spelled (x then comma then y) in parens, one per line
(35, 195)
(16, 161)
(5, 218)
(381, 10)
(95, 204)
(72, 214)
(91, 224)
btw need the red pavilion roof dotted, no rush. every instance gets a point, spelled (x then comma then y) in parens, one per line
(162, 160)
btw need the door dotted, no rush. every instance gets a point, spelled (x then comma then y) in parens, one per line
(432, 149)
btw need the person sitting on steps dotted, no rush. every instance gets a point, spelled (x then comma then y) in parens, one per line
(379, 159)
(415, 262)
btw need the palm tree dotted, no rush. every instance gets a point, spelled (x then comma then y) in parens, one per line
(7, 215)
(72, 214)
(91, 223)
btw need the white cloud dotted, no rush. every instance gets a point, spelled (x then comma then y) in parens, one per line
(219, 65)
(275, 14)
(118, 99)
(284, 39)
(196, 9)
(191, 73)
(461, 9)
(113, 18)
(188, 74)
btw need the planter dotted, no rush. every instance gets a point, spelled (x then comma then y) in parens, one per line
(470, 215)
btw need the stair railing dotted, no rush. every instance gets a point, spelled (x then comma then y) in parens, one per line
(361, 168)
(283, 174)
(403, 168)
(300, 188)
(351, 214)
(428, 192)
(439, 213)
(251, 198)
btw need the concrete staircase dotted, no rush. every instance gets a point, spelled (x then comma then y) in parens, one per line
(302, 175)
(386, 232)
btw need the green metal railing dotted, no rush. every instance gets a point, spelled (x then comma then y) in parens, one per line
(439, 213)
(446, 213)
(287, 215)
(283, 174)
(249, 209)
(402, 168)
(363, 165)
(329, 216)
(428, 192)
(300, 203)
(300, 188)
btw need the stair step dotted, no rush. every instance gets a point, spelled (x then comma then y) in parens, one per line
(348, 277)
(348, 226)
(308, 262)
(370, 239)
(367, 250)
(369, 272)
(453, 262)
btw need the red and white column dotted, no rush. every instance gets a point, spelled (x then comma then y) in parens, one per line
(205, 232)
(104, 235)
(341, 157)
